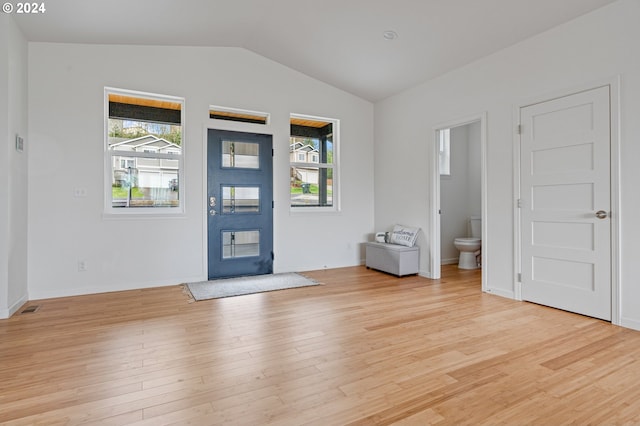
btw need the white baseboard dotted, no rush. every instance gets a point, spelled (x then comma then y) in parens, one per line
(630, 323)
(69, 292)
(425, 274)
(6, 313)
(502, 293)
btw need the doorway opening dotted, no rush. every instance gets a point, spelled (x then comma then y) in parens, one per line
(458, 195)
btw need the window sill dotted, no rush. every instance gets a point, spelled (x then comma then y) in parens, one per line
(144, 215)
(300, 211)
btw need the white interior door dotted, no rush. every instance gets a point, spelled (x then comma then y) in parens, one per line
(565, 204)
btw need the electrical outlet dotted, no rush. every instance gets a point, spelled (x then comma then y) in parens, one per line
(79, 192)
(82, 265)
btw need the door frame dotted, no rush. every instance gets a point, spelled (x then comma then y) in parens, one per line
(614, 123)
(217, 124)
(434, 222)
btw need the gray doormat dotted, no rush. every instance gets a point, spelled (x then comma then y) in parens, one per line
(228, 287)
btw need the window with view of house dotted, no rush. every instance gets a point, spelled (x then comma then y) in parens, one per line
(143, 152)
(313, 162)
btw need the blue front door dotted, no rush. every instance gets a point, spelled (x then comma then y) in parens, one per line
(239, 204)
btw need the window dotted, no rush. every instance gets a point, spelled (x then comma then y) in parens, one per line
(313, 162)
(238, 115)
(445, 151)
(143, 152)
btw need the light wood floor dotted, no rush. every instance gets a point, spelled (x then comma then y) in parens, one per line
(364, 348)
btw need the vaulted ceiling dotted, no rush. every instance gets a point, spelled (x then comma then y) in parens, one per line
(339, 42)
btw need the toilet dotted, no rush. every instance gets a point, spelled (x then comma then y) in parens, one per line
(470, 247)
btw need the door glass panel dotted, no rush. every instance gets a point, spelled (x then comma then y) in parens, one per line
(240, 244)
(240, 199)
(240, 155)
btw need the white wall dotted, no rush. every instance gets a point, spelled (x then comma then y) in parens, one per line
(66, 85)
(474, 177)
(587, 51)
(13, 168)
(460, 192)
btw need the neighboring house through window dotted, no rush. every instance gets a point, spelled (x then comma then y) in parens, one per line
(143, 152)
(313, 163)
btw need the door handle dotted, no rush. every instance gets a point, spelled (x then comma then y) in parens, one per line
(601, 214)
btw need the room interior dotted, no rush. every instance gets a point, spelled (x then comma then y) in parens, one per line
(52, 204)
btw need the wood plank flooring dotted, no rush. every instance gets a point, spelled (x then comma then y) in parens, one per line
(364, 348)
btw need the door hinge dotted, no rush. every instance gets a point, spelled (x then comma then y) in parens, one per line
(272, 256)
(519, 203)
(519, 130)
(519, 277)
(273, 204)
(272, 152)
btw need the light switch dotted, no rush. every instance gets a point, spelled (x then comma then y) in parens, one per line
(19, 143)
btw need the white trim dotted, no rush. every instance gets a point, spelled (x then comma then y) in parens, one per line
(629, 323)
(517, 255)
(110, 287)
(500, 292)
(614, 84)
(7, 313)
(303, 165)
(316, 210)
(616, 226)
(434, 222)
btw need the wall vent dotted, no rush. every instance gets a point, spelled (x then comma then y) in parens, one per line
(30, 309)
